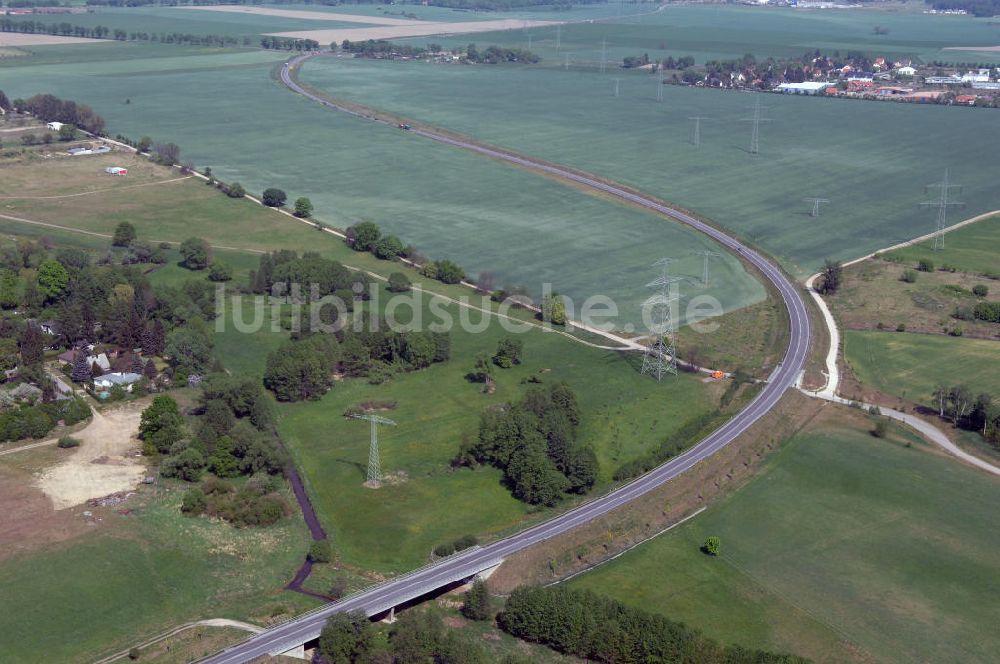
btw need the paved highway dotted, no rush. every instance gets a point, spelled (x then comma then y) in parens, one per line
(383, 596)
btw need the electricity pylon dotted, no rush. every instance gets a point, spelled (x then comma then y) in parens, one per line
(816, 203)
(942, 204)
(758, 117)
(706, 255)
(661, 355)
(697, 128)
(374, 480)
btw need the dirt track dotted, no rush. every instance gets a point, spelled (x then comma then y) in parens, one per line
(106, 462)
(410, 29)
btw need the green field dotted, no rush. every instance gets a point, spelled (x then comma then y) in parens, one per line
(974, 248)
(395, 528)
(912, 365)
(813, 147)
(141, 575)
(445, 202)
(846, 549)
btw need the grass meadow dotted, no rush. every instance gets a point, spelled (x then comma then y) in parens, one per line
(140, 575)
(974, 248)
(846, 548)
(912, 365)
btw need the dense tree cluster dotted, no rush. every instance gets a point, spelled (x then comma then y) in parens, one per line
(380, 48)
(584, 624)
(288, 44)
(534, 443)
(53, 109)
(418, 636)
(31, 420)
(282, 273)
(494, 55)
(303, 369)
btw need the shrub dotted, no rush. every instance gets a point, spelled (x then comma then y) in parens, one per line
(925, 265)
(909, 276)
(303, 208)
(320, 551)
(399, 283)
(476, 605)
(956, 331)
(980, 290)
(901, 327)
(881, 429)
(388, 247)
(220, 272)
(712, 546)
(234, 190)
(193, 503)
(68, 441)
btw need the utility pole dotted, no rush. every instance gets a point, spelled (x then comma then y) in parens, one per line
(816, 203)
(558, 37)
(617, 81)
(604, 54)
(942, 204)
(566, 62)
(374, 480)
(697, 128)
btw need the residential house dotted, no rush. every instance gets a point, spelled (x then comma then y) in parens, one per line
(125, 380)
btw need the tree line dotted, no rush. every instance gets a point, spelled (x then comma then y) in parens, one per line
(584, 624)
(50, 108)
(534, 443)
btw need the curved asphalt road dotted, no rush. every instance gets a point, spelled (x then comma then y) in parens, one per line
(383, 596)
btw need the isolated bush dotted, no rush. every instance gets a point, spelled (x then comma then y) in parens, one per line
(220, 272)
(196, 253)
(68, 441)
(901, 327)
(124, 234)
(925, 265)
(712, 546)
(980, 290)
(399, 283)
(909, 276)
(234, 190)
(273, 197)
(303, 208)
(320, 551)
(881, 429)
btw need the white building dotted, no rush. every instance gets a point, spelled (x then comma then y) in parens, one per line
(55, 126)
(906, 71)
(981, 76)
(126, 380)
(807, 88)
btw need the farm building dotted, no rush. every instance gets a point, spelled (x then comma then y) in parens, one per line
(55, 126)
(807, 88)
(116, 170)
(906, 71)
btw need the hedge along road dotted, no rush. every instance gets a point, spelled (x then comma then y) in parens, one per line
(403, 588)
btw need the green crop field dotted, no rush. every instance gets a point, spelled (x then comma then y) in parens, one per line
(862, 156)
(974, 248)
(141, 575)
(912, 365)
(847, 548)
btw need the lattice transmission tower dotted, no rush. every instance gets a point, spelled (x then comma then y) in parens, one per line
(706, 255)
(697, 128)
(374, 480)
(942, 205)
(816, 203)
(758, 117)
(661, 356)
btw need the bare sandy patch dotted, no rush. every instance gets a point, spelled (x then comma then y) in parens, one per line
(307, 15)
(413, 29)
(18, 39)
(984, 49)
(27, 521)
(105, 462)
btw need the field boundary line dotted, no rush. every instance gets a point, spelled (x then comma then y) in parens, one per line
(210, 622)
(96, 191)
(629, 548)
